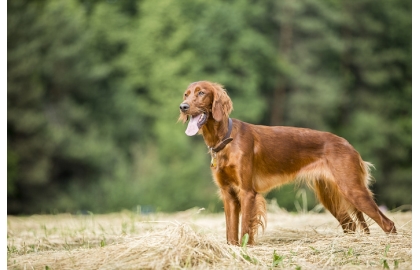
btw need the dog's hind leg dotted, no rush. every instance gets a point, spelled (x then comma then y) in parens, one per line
(328, 194)
(353, 184)
(361, 221)
(362, 200)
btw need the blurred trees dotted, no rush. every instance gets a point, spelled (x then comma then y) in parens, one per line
(94, 89)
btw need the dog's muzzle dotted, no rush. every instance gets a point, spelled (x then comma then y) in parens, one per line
(184, 107)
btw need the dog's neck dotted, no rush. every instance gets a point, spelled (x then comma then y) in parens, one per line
(214, 132)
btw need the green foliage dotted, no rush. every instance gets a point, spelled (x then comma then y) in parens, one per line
(384, 261)
(244, 252)
(93, 94)
(277, 260)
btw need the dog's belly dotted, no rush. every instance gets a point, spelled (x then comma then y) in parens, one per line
(264, 183)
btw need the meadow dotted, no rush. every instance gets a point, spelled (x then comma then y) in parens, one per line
(194, 239)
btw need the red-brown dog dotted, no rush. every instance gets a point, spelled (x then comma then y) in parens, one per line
(248, 160)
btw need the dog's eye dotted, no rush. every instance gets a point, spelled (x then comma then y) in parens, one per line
(200, 93)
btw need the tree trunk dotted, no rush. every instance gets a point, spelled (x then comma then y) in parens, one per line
(285, 43)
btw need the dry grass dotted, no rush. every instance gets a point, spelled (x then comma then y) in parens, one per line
(196, 240)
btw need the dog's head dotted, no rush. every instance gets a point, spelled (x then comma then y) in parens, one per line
(204, 100)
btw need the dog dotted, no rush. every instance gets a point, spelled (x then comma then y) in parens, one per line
(249, 160)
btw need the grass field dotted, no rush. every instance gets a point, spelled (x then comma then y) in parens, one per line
(194, 239)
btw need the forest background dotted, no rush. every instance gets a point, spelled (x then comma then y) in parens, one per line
(94, 87)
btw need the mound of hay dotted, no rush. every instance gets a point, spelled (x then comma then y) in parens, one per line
(177, 246)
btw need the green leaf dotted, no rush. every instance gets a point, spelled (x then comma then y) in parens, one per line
(384, 264)
(387, 249)
(277, 259)
(245, 239)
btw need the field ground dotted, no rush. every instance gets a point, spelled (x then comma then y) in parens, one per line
(194, 239)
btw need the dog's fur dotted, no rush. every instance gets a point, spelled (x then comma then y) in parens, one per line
(260, 158)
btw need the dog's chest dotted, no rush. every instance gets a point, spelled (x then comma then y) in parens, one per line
(224, 172)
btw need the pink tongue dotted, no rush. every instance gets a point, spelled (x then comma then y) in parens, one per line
(192, 128)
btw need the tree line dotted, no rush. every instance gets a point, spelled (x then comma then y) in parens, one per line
(93, 89)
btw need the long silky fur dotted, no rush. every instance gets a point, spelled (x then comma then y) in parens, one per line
(320, 179)
(260, 215)
(329, 165)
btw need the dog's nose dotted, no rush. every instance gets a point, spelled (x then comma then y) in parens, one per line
(184, 107)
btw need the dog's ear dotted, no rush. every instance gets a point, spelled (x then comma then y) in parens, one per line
(222, 105)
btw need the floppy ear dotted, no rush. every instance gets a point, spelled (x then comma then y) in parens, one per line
(222, 105)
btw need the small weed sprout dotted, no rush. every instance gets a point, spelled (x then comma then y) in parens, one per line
(244, 252)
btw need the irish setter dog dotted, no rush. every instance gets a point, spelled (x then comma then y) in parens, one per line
(249, 160)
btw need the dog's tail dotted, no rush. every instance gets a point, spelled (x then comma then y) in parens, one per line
(367, 177)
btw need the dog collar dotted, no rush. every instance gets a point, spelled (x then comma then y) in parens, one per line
(227, 139)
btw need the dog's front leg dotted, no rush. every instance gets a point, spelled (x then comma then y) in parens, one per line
(232, 209)
(248, 212)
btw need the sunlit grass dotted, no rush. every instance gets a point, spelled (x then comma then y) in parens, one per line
(196, 239)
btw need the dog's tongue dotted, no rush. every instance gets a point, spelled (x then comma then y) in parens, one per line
(192, 128)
